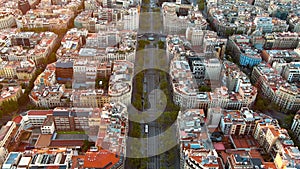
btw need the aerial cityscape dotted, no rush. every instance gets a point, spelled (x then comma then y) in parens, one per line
(150, 84)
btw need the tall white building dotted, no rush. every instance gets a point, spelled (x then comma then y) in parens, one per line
(291, 72)
(188, 16)
(213, 117)
(3, 155)
(198, 69)
(84, 74)
(212, 69)
(131, 19)
(103, 39)
(296, 125)
(195, 36)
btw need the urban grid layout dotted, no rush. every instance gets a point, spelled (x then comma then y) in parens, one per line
(149, 84)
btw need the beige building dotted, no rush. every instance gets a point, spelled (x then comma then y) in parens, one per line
(10, 93)
(7, 21)
(275, 88)
(120, 84)
(3, 155)
(6, 133)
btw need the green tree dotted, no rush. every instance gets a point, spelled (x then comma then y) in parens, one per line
(68, 85)
(288, 120)
(52, 58)
(161, 44)
(142, 44)
(1, 113)
(204, 89)
(86, 145)
(163, 85)
(146, 1)
(9, 106)
(201, 4)
(229, 32)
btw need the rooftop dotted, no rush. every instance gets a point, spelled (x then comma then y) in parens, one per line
(108, 159)
(120, 80)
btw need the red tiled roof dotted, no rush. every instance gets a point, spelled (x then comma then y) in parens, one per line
(100, 159)
(17, 119)
(269, 165)
(66, 143)
(40, 112)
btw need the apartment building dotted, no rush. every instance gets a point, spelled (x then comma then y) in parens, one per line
(96, 20)
(233, 76)
(294, 22)
(174, 24)
(195, 35)
(130, 18)
(194, 141)
(103, 39)
(244, 159)
(213, 45)
(264, 24)
(35, 118)
(296, 125)
(257, 39)
(10, 93)
(6, 133)
(33, 159)
(291, 72)
(271, 137)
(12, 158)
(27, 39)
(64, 70)
(212, 69)
(117, 45)
(46, 91)
(214, 116)
(84, 74)
(74, 119)
(237, 81)
(113, 129)
(91, 5)
(7, 20)
(275, 88)
(104, 69)
(198, 69)
(238, 122)
(28, 45)
(228, 22)
(23, 70)
(185, 88)
(288, 158)
(269, 24)
(3, 155)
(271, 56)
(279, 25)
(71, 43)
(48, 126)
(281, 40)
(85, 98)
(243, 50)
(120, 83)
(41, 18)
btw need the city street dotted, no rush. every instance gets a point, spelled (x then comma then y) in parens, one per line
(150, 26)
